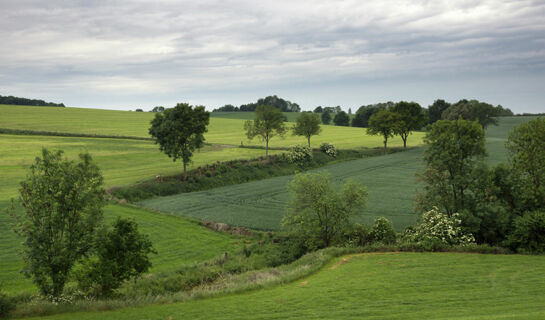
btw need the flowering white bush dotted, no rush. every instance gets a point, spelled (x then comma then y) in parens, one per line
(300, 155)
(328, 149)
(438, 226)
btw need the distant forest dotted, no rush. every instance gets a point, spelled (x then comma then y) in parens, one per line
(284, 105)
(28, 102)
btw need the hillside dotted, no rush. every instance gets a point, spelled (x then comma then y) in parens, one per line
(379, 286)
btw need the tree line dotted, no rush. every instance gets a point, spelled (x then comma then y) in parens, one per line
(27, 102)
(279, 103)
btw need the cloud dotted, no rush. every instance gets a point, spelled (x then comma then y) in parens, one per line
(155, 50)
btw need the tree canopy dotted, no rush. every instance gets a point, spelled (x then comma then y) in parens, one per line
(411, 118)
(326, 117)
(341, 119)
(473, 110)
(383, 123)
(268, 123)
(28, 102)
(179, 131)
(307, 125)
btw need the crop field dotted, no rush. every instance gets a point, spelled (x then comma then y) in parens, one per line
(391, 181)
(249, 115)
(220, 131)
(177, 241)
(121, 161)
(379, 286)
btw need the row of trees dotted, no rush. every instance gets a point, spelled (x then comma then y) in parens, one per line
(27, 102)
(279, 103)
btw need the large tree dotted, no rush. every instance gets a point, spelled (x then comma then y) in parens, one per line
(307, 125)
(473, 110)
(62, 203)
(435, 111)
(180, 130)
(341, 119)
(269, 122)
(362, 115)
(326, 117)
(455, 148)
(411, 118)
(383, 123)
(320, 213)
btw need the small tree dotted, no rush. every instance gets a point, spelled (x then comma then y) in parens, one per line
(341, 119)
(383, 123)
(180, 130)
(121, 254)
(411, 118)
(307, 125)
(63, 203)
(320, 213)
(326, 117)
(267, 124)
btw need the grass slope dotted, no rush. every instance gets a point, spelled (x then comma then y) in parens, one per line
(379, 286)
(391, 181)
(121, 161)
(249, 115)
(125, 123)
(178, 241)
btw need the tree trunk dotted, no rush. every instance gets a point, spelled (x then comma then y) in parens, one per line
(185, 171)
(385, 143)
(267, 149)
(308, 141)
(404, 141)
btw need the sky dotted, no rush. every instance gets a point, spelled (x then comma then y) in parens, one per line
(139, 54)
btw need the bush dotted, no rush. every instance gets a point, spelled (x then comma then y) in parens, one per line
(300, 155)
(529, 233)
(357, 235)
(383, 231)
(5, 305)
(328, 149)
(437, 227)
(289, 250)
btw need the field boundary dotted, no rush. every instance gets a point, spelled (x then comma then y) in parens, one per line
(68, 134)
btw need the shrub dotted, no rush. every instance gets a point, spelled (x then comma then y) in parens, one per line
(529, 233)
(287, 251)
(437, 227)
(328, 149)
(300, 155)
(357, 235)
(383, 231)
(5, 305)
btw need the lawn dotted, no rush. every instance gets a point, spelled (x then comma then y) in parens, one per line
(126, 123)
(121, 161)
(390, 179)
(177, 241)
(379, 286)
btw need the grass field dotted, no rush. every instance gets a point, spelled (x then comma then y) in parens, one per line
(178, 241)
(121, 161)
(379, 286)
(390, 179)
(125, 123)
(249, 115)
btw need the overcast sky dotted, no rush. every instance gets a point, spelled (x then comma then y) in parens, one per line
(128, 54)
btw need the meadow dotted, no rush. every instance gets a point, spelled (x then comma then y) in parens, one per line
(136, 124)
(387, 286)
(177, 241)
(391, 181)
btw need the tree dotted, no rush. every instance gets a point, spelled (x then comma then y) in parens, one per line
(436, 110)
(180, 130)
(320, 213)
(349, 110)
(455, 147)
(411, 118)
(279, 103)
(63, 203)
(361, 118)
(318, 109)
(326, 117)
(473, 110)
(526, 146)
(307, 125)
(158, 109)
(341, 119)
(121, 254)
(267, 124)
(383, 123)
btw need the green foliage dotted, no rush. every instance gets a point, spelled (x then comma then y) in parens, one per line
(120, 254)
(300, 155)
(473, 110)
(383, 231)
(412, 117)
(326, 117)
(180, 130)
(318, 212)
(274, 101)
(341, 119)
(288, 250)
(436, 110)
(5, 304)
(63, 203)
(437, 226)
(529, 233)
(383, 123)
(267, 124)
(328, 149)
(357, 235)
(307, 125)
(526, 145)
(454, 149)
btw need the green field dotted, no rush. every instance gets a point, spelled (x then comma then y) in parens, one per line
(390, 179)
(178, 241)
(121, 161)
(125, 123)
(249, 115)
(379, 286)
